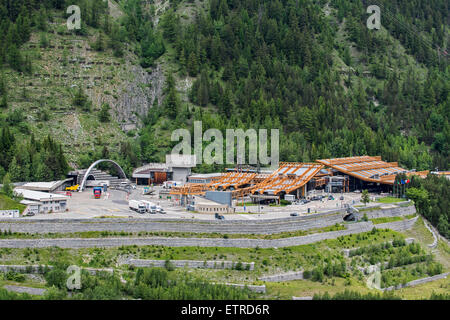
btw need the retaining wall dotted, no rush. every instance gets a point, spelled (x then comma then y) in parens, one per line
(417, 282)
(202, 242)
(190, 264)
(295, 275)
(261, 226)
(259, 289)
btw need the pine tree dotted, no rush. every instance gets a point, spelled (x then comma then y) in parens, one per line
(15, 58)
(14, 171)
(365, 198)
(203, 90)
(192, 65)
(104, 115)
(7, 188)
(99, 44)
(4, 101)
(171, 102)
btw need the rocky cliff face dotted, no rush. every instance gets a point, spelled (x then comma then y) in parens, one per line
(137, 96)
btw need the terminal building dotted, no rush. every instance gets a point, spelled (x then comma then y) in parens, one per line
(294, 180)
(365, 172)
(176, 168)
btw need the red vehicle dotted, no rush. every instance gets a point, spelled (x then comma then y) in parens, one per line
(97, 192)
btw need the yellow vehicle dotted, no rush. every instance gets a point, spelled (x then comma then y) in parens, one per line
(73, 188)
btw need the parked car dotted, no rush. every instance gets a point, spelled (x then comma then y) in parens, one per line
(159, 209)
(341, 198)
(218, 216)
(294, 214)
(330, 197)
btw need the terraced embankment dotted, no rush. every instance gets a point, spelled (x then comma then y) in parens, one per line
(203, 242)
(262, 226)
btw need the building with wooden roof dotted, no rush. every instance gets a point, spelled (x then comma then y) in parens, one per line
(367, 172)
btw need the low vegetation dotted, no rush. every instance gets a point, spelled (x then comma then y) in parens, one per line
(7, 203)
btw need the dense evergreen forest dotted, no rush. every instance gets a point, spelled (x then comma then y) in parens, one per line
(278, 64)
(271, 64)
(309, 68)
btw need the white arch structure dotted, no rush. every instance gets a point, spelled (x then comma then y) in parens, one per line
(88, 171)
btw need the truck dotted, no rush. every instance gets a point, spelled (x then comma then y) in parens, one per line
(149, 206)
(97, 192)
(137, 206)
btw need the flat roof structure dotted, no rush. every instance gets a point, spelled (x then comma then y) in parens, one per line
(39, 196)
(44, 186)
(144, 171)
(205, 175)
(367, 168)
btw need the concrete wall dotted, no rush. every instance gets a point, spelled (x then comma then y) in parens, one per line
(258, 289)
(418, 282)
(222, 197)
(295, 275)
(180, 174)
(203, 242)
(190, 264)
(392, 212)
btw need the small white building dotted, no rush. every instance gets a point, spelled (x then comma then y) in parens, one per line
(32, 206)
(203, 205)
(48, 202)
(9, 213)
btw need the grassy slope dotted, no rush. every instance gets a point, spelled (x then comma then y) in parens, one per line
(267, 261)
(7, 203)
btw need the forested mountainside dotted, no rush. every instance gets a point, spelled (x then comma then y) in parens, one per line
(314, 70)
(310, 68)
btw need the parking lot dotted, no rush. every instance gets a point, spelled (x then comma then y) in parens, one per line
(114, 203)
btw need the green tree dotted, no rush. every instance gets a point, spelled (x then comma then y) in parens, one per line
(420, 198)
(192, 65)
(14, 171)
(7, 188)
(4, 101)
(365, 197)
(171, 102)
(103, 114)
(15, 58)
